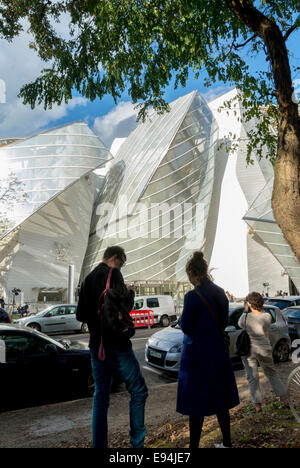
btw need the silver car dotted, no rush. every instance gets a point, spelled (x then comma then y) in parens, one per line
(164, 347)
(59, 318)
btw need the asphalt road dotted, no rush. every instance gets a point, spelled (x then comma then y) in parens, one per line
(153, 377)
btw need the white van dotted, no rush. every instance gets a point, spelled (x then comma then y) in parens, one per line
(163, 307)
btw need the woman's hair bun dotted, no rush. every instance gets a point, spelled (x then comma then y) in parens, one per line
(197, 266)
(198, 255)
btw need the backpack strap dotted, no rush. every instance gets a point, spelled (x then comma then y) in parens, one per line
(108, 280)
(101, 354)
(102, 295)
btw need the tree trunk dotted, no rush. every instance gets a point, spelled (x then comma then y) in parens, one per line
(286, 188)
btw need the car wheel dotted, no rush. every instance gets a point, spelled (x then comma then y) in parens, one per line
(281, 352)
(34, 326)
(165, 321)
(84, 328)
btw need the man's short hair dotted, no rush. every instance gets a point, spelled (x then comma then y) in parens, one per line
(114, 250)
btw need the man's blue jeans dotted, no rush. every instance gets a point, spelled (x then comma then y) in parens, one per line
(125, 363)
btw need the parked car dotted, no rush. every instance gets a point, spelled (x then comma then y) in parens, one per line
(164, 347)
(284, 301)
(58, 318)
(163, 307)
(292, 316)
(36, 369)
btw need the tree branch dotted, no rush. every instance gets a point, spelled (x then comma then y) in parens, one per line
(276, 49)
(238, 46)
(291, 30)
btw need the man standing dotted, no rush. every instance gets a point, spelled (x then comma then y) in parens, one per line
(2, 302)
(119, 358)
(4, 317)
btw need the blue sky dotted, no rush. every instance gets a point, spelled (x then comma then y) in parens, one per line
(19, 64)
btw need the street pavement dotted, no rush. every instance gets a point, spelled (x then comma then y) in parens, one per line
(68, 424)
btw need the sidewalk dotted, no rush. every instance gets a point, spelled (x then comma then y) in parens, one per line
(69, 424)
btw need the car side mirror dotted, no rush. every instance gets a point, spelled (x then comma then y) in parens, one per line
(51, 349)
(65, 343)
(230, 328)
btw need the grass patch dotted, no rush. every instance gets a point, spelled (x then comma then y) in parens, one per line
(273, 428)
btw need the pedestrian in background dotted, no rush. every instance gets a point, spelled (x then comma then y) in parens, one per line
(119, 357)
(2, 302)
(206, 381)
(257, 324)
(4, 317)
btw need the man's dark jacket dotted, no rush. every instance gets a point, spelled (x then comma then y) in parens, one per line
(4, 317)
(91, 289)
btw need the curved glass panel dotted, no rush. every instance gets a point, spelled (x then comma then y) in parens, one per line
(160, 188)
(46, 163)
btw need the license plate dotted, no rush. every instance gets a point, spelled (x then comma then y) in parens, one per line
(155, 354)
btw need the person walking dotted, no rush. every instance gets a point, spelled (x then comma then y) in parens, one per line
(257, 324)
(4, 317)
(119, 357)
(2, 302)
(206, 381)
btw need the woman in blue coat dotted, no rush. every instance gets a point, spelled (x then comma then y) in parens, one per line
(206, 381)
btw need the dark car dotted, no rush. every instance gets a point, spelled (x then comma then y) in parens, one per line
(4, 317)
(292, 316)
(284, 301)
(36, 369)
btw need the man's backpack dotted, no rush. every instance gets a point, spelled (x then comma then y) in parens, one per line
(116, 323)
(243, 343)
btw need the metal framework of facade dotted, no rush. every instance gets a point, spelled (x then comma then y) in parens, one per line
(160, 188)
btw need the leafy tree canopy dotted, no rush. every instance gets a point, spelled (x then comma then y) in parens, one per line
(139, 45)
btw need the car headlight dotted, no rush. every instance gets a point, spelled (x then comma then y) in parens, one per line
(176, 349)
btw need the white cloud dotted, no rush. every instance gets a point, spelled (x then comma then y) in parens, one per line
(118, 123)
(19, 65)
(19, 120)
(214, 93)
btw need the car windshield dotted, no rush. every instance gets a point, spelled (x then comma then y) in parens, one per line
(50, 340)
(138, 304)
(44, 311)
(281, 303)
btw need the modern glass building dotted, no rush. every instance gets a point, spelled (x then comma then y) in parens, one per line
(171, 189)
(258, 253)
(264, 227)
(158, 196)
(50, 229)
(46, 163)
